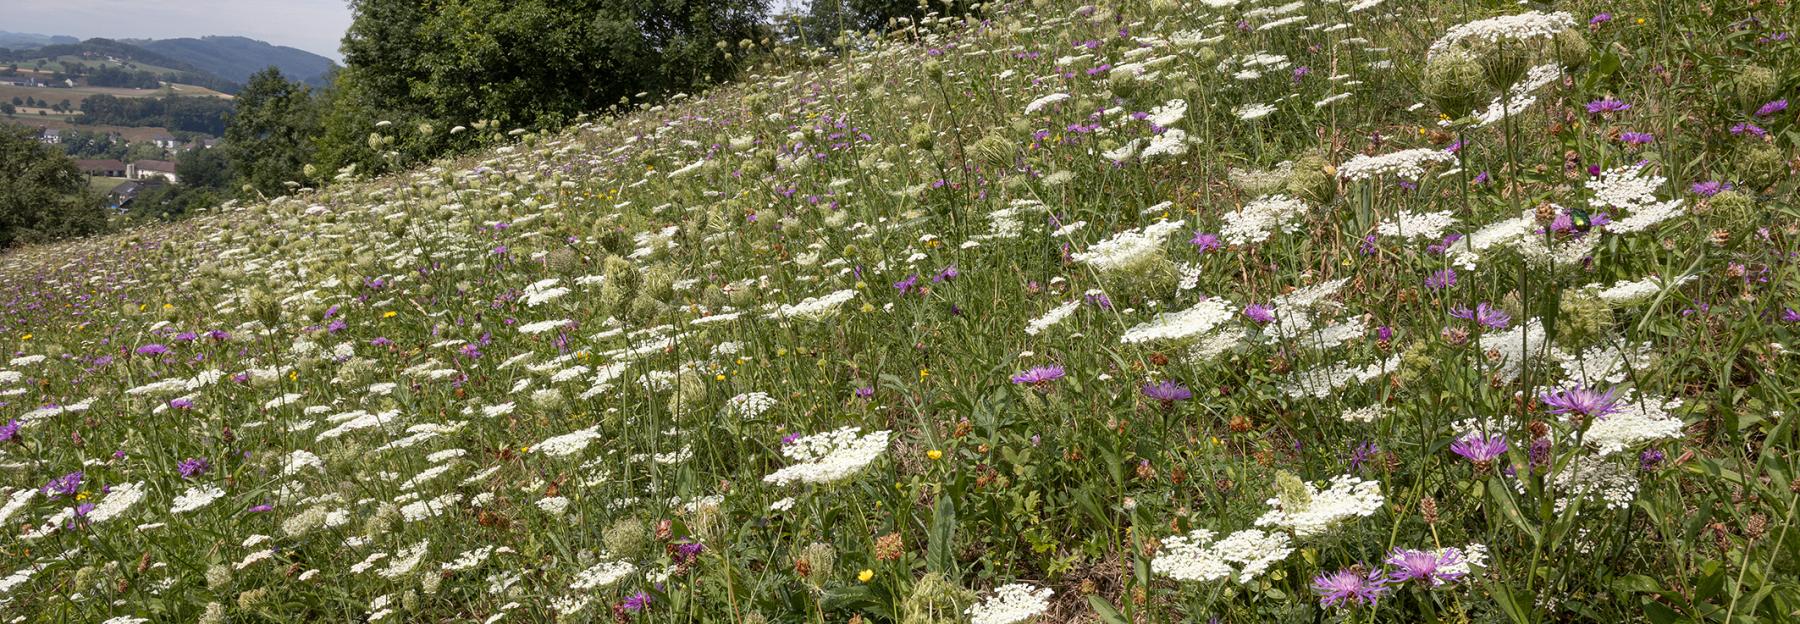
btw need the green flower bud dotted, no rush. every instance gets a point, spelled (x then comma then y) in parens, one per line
(1452, 81)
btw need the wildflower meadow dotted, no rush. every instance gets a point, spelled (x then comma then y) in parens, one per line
(1147, 311)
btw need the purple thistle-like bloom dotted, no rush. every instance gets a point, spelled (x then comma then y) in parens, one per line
(1425, 566)
(1488, 316)
(789, 438)
(1581, 401)
(9, 432)
(1748, 128)
(66, 485)
(864, 392)
(152, 349)
(1259, 313)
(261, 508)
(1599, 18)
(687, 552)
(193, 467)
(1790, 315)
(907, 284)
(1608, 105)
(1539, 453)
(181, 404)
(1636, 138)
(1039, 375)
(1100, 299)
(1347, 586)
(637, 602)
(1362, 453)
(949, 273)
(1480, 449)
(1205, 241)
(1441, 279)
(1709, 188)
(471, 351)
(1168, 391)
(1650, 459)
(1772, 108)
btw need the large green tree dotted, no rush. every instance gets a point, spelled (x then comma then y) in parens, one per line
(43, 196)
(270, 140)
(518, 63)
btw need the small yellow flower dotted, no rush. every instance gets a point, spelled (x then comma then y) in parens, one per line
(524, 449)
(168, 306)
(1640, 21)
(924, 372)
(25, 337)
(865, 575)
(719, 377)
(293, 375)
(934, 454)
(81, 496)
(389, 314)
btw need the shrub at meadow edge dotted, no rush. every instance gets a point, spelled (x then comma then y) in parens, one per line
(1155, 311)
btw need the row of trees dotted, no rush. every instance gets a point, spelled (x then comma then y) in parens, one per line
(205, 115)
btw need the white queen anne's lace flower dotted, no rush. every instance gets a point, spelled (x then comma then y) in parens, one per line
(1011, 604)
(1406, 164)
(830, 456)
(1348, 497)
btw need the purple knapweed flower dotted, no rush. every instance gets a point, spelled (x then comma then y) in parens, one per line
(1441, 279)
(181, 403)
(1709, 188)
(1349, 587)
(1650, 459)
(193, 467)
(66, 485)
(1772, 108)
(1205, 241)
(152, 349)
(1636, 138)
(1039, 375)
(1581, 401)
(637, 602)
(906, 285)
(1425, 566)
(1484, 314)
(1362, 453)
(9, 432)
(1480, 449)
(949, 273)
(864, 392)
(1259, 313)
(1608, 105)
(1598, 19)
(261, 508)
(1168, 391)
(1751, 129)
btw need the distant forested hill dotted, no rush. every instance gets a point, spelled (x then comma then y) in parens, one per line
(236, 58)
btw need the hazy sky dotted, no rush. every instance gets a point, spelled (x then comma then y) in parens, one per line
(311, 25)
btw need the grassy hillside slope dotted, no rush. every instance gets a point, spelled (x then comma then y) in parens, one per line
(1152, 311)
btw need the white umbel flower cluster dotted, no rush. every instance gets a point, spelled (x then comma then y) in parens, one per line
(1630, 189)
(1040, 103)
(1203, 317)
(1629, 292)
(1348, 497)
(1258, 219)
(1011, 604)
(1051, 318)
(1637, 422)
(1406, 164)
(815, 308)
(1195, 557)
(1130, 249)
(602, 574)
(196, 497)
(1410, 225)
(830, 456)
(1521, 27)
(750, 404)
(1173, 142)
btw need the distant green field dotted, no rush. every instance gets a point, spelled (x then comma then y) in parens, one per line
(76, 95)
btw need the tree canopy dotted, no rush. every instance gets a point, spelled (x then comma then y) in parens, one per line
(43, 196)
